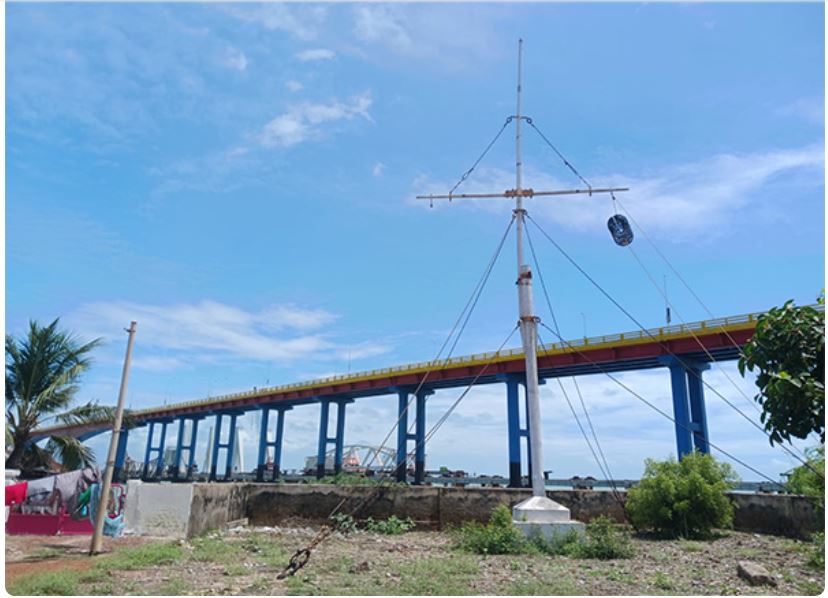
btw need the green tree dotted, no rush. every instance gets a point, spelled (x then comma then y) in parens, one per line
(810, 479)
(788, 352)
(43, 369)
(683, 498)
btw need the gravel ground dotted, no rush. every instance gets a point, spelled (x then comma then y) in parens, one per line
(246, 561)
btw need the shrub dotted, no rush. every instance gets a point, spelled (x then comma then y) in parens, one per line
(344, 523)
(816, 558)
(685, 498)
(499, 536)
(805, 479)
(603, 541)
(392, 526)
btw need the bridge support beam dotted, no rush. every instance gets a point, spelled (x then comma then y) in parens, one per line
(325, 440)
(265, 443)
(688, 405)
(403, 436)
(228, 446)
(120, 455)
(513, 384)
(190, 447)
(159, 450)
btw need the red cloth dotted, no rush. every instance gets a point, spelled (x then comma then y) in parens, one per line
(16, 493)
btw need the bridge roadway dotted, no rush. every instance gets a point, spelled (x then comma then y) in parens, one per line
(629, 351)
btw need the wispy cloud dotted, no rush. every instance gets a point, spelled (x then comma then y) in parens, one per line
(293, 85)
(301, 22)
(209, 331)
(378, 169)
(234, 59)
(681, 201)
(809, 109)
(315, 54)
(302, 121)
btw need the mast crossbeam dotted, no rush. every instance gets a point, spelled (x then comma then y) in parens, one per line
(509, 193)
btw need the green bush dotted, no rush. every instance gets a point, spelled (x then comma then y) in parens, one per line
(392, 526)
(603, 541)
(499, 536)
(816, 558)
(685, 498)
(805, 479)
(344, 523)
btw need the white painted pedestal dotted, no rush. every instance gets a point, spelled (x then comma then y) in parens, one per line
(541, 515)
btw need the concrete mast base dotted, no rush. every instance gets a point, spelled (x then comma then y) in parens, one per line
(542, 516)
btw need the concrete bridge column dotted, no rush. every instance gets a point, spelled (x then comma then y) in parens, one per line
(324, 440)
(228, 446)
(159, 450)
(120, 455)
(698, 412)
(403, 436)
(190, 447)
(513, 384)
(688, 405)
(264, 443)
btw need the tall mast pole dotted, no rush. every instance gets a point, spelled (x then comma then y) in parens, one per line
(528, 322)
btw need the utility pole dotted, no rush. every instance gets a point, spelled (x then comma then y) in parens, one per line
(106, 484)
(538, 510)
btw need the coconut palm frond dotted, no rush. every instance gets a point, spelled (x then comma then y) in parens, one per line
(71, 452)
(84, 414)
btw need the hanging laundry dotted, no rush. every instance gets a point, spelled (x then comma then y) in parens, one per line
(39, 492)
(113, 522)
(16, 493)
(68, 485)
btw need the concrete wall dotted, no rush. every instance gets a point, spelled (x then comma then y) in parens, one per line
(158, 509)
(213, 505)
(186, 510)
(269, 504)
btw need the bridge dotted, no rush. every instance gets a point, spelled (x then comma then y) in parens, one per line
(685, 349)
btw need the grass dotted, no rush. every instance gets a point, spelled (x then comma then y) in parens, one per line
(662, 581)
(46, 583)
(690, 546)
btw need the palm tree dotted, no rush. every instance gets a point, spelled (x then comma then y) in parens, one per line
(42, 374)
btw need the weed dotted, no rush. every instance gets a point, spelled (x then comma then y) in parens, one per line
(392, 526)
(175, 587)
(344, 523)
(234, 569)
(690, 546)
(662, 581)
(535, 587)
(603, 541)
(437, 576)
(499, 536)
(810, 588)
(816, 556)
(213, 549)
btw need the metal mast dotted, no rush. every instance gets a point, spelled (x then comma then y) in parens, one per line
(528, 322)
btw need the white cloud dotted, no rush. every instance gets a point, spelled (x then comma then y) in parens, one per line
(302, 121)
(688, 200)
(234, 59)
(210, 330)
(378, 169)
(302, 22)
(315, 54)
(294, 86)
(430, 32)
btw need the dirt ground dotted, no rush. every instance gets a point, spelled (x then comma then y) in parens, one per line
(246, 561)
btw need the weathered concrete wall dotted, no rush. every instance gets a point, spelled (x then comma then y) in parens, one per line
(268, 504)
(158, 509)
(779, 514)
(213, 505)
(186, 510)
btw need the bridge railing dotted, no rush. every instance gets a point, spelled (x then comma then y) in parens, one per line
(660, 333)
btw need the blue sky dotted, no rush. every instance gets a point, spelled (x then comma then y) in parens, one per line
(240, 178)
